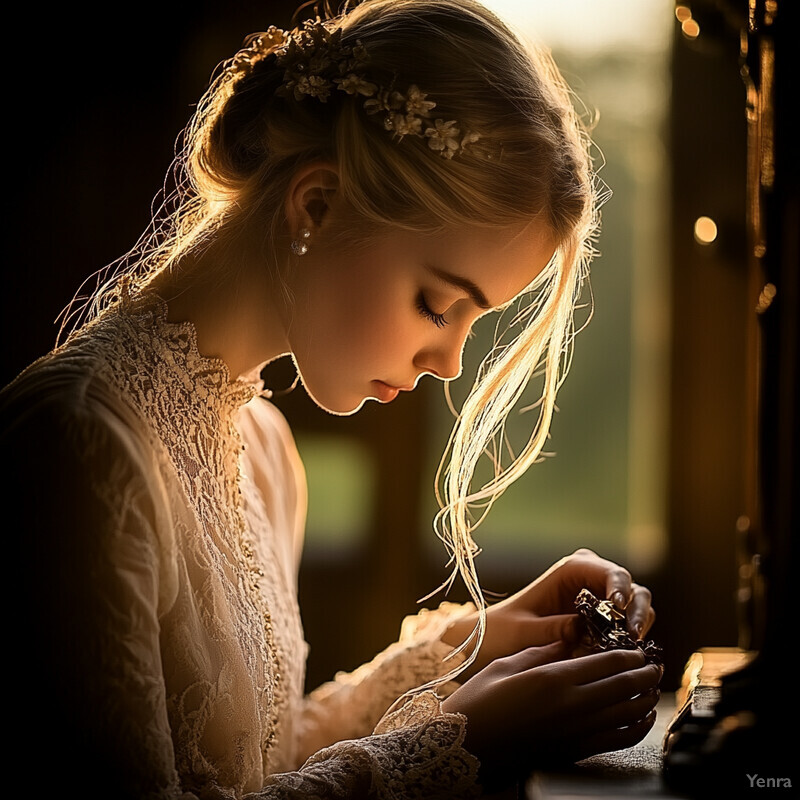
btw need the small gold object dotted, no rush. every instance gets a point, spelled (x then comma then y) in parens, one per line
(606, 629)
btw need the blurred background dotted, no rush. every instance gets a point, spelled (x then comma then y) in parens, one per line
(649, 441)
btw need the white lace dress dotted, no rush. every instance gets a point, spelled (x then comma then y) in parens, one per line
(162, 515)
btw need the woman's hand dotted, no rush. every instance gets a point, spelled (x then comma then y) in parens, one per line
(544, 611)
(541, 707)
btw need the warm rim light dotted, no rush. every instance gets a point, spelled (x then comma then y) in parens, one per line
(586, 26)
(705, 230)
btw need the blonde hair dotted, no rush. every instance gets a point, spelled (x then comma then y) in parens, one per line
(533, 161)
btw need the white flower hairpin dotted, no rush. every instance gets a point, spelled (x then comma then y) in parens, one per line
(316, 64)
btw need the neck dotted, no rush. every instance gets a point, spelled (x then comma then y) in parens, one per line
(236, 311)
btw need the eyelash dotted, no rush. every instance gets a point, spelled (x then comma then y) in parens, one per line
(425, 310)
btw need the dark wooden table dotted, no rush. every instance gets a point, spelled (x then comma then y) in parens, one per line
(632, 773)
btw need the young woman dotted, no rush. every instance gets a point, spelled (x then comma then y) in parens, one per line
(356, 193)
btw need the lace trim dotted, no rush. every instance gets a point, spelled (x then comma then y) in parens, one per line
(436, 737)
(415, 752)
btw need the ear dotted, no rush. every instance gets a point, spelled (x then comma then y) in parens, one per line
(309, 196)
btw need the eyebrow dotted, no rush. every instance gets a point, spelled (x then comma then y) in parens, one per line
(476, 295)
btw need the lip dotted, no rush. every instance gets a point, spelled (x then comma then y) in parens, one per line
(385, 392)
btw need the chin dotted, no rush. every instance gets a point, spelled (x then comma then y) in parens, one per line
(338, 406)
(342, 412)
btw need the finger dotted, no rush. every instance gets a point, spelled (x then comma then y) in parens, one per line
(651, 618)
(589, 669)
(581, 649)
(619, 586)
(618, 688)
(640, 612)
(530, 658)
(623, 714)
(639, 629)
(551, 628)
(602, 577)
(617, 739)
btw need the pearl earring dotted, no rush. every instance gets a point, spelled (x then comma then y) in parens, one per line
(300, 246)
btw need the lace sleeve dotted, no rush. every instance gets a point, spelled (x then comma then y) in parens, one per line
(415, 753)
(351, 705)
(89, 683)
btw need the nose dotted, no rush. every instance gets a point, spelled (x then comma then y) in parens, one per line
(442, 359)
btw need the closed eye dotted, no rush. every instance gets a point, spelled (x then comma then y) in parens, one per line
(426, 311)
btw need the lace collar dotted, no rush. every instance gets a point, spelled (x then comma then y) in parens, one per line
(174, 346)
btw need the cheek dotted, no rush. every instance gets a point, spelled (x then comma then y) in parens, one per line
(368, 333)
(351, 321)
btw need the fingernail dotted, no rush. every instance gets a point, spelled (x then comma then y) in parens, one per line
(619, 600)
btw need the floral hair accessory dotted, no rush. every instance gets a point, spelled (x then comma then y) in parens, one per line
(316, 64)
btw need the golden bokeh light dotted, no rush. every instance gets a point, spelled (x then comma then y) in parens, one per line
(690, 28)
(705, 230)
